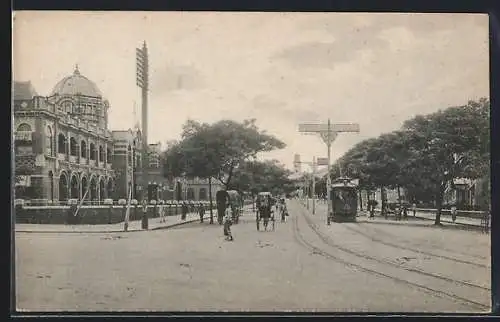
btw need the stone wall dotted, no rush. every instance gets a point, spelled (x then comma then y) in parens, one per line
(87, 215)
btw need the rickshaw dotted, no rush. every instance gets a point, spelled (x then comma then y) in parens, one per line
(225, 199)
(265, 203)
(235, 204)
(344, 199)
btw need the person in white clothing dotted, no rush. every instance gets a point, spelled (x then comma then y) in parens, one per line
(161, 210)
(228, 221)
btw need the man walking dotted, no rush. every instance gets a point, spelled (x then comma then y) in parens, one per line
(201, 211)
(145, 223)
(184, 210)
(228, 221)
(453, 213)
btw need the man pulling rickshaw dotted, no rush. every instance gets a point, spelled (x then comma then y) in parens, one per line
(265, 210)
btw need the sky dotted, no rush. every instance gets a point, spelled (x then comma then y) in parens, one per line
(373, 69)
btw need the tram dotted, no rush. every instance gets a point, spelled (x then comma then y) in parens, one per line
(344, 199)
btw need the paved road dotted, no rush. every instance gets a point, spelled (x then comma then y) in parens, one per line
(302, 266)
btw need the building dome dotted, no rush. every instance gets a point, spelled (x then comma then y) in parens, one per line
(76, 84)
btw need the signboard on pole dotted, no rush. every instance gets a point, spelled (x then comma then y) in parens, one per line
(323, 127)
(322, 161)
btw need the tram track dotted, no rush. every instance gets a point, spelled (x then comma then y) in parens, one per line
(391, 244)
(376, 271)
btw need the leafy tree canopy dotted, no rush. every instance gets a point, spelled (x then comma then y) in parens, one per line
(216, 150)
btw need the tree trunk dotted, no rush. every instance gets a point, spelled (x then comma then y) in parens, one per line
(384, 201)
(439, 205)
(210, 197)
(360, 201)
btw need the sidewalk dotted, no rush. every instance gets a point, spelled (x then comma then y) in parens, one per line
(445, 217)
(134, 226)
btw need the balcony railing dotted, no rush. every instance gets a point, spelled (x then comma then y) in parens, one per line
(23, 136)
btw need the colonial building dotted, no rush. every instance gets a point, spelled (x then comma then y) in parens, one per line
(63, 148)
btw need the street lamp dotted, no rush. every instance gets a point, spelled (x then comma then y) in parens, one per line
(313, 166)
(328, 133)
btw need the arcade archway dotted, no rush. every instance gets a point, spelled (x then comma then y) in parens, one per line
(102, 189)
(75, 192)
(63, 187)
(85, 186)
(93, 188)
(110, 188)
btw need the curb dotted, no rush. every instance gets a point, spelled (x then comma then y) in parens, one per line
(105, 231)
(453, 223)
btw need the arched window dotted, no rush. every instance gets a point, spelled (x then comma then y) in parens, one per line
(61, 143)
(73, 147)
(203, 193)
(108, 155)
(49, 141)
(24, 127)
(93, 152)
(190, 194)
(51, 184)
(101, 154)
(83, 147)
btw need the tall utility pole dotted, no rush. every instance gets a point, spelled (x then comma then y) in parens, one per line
(142, 81)
(328, 133)
(313, 165)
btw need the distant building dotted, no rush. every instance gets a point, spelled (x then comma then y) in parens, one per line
(467, 193)
(170, 188)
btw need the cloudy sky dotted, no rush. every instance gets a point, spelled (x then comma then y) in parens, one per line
(280, 68)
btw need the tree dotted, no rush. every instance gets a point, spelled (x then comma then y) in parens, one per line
(258, 176)
(448, 144)
(236, 142)
(216, 150)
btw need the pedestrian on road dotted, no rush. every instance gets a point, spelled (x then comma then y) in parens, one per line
(228, 221)
(161, 209)
(201, 211)
(145, 223)
(405, 211)
(371, 206)
(284, 210)
(184, 210)
(414, 206)
(453, 213)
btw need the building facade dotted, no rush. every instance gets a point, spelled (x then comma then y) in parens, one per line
(64, 150)
(62, 146)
